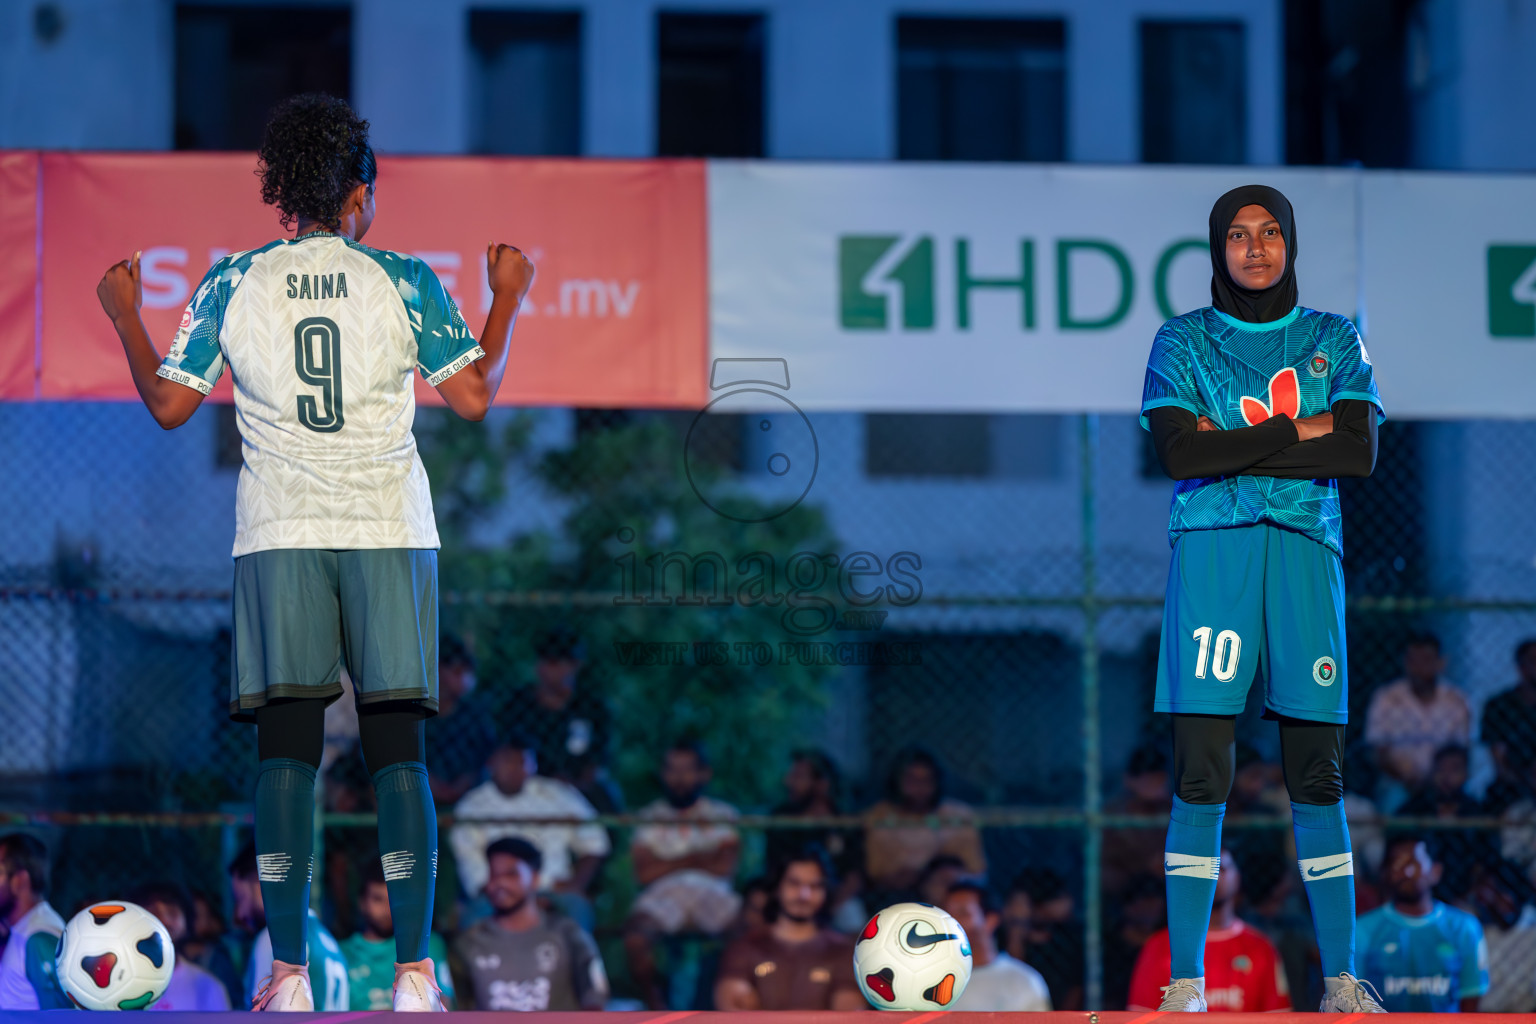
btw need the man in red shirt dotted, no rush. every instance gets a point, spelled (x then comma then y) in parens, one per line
(1243, 972)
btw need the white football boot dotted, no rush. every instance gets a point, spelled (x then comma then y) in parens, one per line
(1185, 995)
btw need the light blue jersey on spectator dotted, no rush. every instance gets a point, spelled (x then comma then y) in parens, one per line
(1423, 964)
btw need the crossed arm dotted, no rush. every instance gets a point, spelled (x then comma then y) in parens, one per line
(1339, 443)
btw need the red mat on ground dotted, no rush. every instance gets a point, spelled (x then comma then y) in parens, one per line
(701, 1017)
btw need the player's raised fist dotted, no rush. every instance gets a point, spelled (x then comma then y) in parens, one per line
(509, 270)
(121, 290)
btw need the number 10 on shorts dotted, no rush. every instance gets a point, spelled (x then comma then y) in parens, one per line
(1229, 647)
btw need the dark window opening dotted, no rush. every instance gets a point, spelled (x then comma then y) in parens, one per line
(1194, 96)
(709, 88)
(981, 89)
(525, 94)
(234, 63)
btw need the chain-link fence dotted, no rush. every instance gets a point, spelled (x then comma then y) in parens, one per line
(984, 588)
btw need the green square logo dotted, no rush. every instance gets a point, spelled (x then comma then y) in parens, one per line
(1512, 291)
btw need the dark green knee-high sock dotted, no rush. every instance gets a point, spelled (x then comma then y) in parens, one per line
(408, 845)
(285, 843)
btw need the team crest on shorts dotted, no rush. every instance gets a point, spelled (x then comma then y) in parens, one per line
(1324, 671)
(1317, 366)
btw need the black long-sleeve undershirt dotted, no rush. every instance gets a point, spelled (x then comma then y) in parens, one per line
(1272, 448)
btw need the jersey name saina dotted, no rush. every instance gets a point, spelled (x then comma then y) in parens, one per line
(320, 335)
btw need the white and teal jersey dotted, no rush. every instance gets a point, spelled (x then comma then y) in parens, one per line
(28, 975)
(327, 967)
(371, 970)
(1240, 374)
(321, 335)
(1422, 964)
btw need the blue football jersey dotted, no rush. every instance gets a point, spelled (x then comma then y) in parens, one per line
(1422, 964)
(1239, 374)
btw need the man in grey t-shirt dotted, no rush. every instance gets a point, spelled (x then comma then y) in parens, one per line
(519, 959)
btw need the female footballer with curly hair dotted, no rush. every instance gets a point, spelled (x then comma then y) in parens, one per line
(335, 541)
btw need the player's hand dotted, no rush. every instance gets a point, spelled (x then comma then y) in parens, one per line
(509, 271)
(1206, 423)
(1314, 426)
(121, 290)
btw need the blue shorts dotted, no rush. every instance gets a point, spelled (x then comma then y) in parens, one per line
(1254, 600)
(301, 613)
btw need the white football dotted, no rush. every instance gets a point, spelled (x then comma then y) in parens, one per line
(912, 956)
(115, 955)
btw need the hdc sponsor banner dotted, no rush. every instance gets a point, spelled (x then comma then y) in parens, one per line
(18, 275)
(932, 287)
(1450, 281)
(616, 317)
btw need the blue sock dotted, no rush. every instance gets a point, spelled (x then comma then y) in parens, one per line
(1328, 871)
(408, 841)
(1190, 866)
(285, 839)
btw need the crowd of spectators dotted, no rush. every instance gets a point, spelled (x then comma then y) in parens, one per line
(519, 896)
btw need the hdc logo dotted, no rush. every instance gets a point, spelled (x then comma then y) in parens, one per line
(1512, 291)
(890, 282)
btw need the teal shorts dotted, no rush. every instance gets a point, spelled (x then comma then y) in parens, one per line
(300, 614)
(1254, 601)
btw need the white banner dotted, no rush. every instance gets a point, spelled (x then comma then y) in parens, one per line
(984, 288)
(1450, 284)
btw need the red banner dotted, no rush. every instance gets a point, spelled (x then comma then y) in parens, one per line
(617, 315)
(18, 275)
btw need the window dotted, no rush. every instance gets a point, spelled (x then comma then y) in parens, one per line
(1353, 74)
(234, 63)
(525, 93)
(1194, 106)
(981, 89)
(709, 88)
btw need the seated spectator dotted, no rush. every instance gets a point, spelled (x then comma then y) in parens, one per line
(1517, 837)
(29, 927)
(210, 944)
(895, 855)
(998, 981)
(1422, 955)
(811, 789)
(571, 854)
(1143, 912)
(1130, 854)
(1276, 906)
(1410, 718)
(1258, 786)
(1055, 936)
(938, 875)
(371, 954)
(192, 987)
(1503, 897)
(1445, 797)
(327, 967)
(1509, 729)
(756, 894)
(569, 722)
(794, 962)
(518, 958)
(461, 736)
(1243, 972)
(684, 860)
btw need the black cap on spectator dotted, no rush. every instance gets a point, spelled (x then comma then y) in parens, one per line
(516, 739)
(1146, 760)
(452, 651)
(977, 885)
(22, 852)
(560, 644)
(517, 846)
(244, 864)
